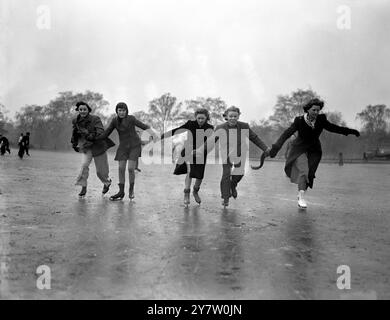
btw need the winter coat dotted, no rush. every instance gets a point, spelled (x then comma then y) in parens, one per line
(84, 132)
(307, 142)
(228, 147)
(128, 137)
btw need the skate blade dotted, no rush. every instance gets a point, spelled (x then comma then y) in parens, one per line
(302, 208)
(117, 199)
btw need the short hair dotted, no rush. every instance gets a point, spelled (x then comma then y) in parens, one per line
(224, 115)
(203, 111)
(234, 109)
(121, 105)
(82, 103)
(313, 102)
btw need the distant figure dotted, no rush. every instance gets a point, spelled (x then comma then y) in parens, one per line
(4, 145)
(21, 146)
(341, 160)
(365, 158)
(26, 139)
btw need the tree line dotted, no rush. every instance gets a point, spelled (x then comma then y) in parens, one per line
(50, 125)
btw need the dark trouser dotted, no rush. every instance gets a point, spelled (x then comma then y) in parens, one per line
(26, 149)
(228, 178)
(21, 152)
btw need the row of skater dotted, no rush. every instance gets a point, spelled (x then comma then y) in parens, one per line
(302, 157)
(23, 144)
(302, 161)
(91, 139)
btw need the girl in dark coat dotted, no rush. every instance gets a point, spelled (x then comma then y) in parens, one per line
(201, 128)
(129, 149)
(85, 128)
(305, 151)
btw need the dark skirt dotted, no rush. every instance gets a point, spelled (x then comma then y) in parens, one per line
(132, 153)
(196, 170)
(314, 154)
(21, 151)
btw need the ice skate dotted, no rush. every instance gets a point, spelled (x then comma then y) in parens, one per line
(106, 188)
(225, 203)
(120, 195)
(83, 192)
(301, 201)
(131, 192)
(233, 189)
(186, 197)
(196, 195)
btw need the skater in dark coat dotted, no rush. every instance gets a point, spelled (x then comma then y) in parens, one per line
(26, 140)
(85, 128)
(233, 136)
(4, 145)
(198, 132)
(21, 144)
(129, 149)
(305, 152)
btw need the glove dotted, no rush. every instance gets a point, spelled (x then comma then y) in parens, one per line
(355, 132)
(75, 148)
(266, 152)
(87, 144)
(83, 131)
(273, 152)
(90, 137)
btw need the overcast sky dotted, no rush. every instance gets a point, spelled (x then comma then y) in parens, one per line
(246, 52)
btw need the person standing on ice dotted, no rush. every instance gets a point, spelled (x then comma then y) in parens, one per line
(129, 149)
(26, 140)
(4, 145)
(305, 152)
(21, 145)
(197, 132)
(233, 145)
(85, 128)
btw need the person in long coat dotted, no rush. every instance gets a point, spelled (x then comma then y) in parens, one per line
(26, 140)
(21, 144)
(198, 131)
(4, 145)
(231, 135)
(305, 151)
(129, 149)
(85, 128)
